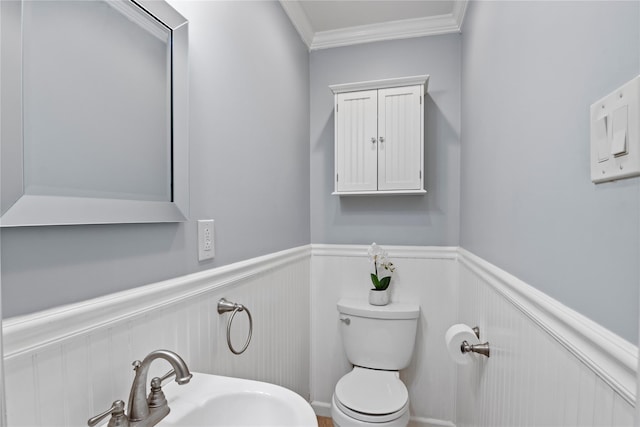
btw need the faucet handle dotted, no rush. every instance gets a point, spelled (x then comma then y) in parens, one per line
(118, 419)
(156, 397)
(167, 375)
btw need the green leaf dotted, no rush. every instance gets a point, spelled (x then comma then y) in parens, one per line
(375, 280)
(384, 282)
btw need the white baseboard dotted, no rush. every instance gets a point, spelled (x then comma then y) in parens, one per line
(322, 409)
(429, 422)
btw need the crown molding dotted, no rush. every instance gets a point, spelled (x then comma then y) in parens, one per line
(392, 30)
(459, 9)
(299, 19)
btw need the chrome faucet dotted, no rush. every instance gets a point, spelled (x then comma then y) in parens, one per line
(141, 413)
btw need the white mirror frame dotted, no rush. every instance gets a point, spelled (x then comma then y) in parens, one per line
(20, 209)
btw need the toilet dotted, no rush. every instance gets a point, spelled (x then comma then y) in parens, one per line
(379, 342)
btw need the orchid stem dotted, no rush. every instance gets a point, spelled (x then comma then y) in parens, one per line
(375, 264)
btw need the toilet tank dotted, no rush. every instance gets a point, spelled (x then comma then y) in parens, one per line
(378, 337)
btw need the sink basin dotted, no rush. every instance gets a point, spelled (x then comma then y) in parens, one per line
(217, 401)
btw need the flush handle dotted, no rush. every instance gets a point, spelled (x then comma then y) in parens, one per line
(345, 320)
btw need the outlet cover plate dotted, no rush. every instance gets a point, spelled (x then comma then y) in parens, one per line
(206, 249)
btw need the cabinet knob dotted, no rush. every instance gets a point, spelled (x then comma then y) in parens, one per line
(373, 139)
(381, 139)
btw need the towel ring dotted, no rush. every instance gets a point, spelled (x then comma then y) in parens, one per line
(225, 306)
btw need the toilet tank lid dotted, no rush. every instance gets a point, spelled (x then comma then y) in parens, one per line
(394, 310)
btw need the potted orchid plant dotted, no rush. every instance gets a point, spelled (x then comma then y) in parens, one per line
(379, 294)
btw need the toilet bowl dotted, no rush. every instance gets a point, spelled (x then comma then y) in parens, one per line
(365, 397)
(378, 341)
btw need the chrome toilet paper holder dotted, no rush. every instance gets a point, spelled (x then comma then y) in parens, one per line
(482, 349)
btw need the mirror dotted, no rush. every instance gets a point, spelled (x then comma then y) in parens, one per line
(93, 113)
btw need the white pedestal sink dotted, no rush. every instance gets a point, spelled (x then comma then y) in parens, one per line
(216, 401)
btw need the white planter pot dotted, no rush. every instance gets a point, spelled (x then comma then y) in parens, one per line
(378, 297)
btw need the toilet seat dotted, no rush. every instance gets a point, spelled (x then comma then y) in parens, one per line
(372, 395)
(365, 418)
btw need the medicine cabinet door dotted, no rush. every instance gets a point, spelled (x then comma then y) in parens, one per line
(356, 141)
(400, 140)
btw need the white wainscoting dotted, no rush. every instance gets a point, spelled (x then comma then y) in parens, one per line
(65, 365)
(424, 275)
(549, 365)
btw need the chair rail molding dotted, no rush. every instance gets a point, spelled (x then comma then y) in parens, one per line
(609, 356)
(417, 252)
(24, 334)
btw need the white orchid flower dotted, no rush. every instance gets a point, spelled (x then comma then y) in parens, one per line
(389, 266)
(374, 253)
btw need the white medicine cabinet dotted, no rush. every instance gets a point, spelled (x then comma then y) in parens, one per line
(379, 136)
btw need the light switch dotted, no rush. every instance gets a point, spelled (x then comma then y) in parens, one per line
(602, 138)
(619, 140)
(615, 134)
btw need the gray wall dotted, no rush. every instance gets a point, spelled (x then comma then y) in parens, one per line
(249, 130)
(530, 72)
(432, 219)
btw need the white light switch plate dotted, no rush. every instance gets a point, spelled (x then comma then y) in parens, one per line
(206, 249)
(615, 134)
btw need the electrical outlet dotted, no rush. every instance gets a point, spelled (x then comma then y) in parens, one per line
(205, 239)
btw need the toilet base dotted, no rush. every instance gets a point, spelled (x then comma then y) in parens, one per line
(341, 419)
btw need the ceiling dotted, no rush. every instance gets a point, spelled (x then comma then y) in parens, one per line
(330, 23)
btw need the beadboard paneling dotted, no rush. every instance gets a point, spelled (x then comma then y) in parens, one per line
(541, 372)
(61, 376)
(65, 365)
(424, 275)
